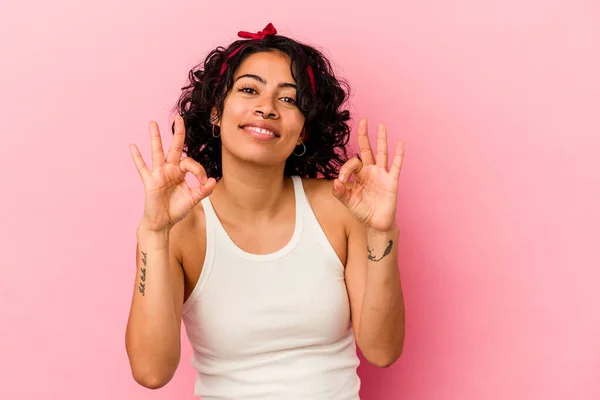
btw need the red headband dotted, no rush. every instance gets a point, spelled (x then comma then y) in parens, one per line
(268, 31)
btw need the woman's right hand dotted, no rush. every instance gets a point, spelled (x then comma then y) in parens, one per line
(168, 196)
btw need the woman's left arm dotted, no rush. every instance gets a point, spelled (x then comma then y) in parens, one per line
(372, 274)
(375, 292)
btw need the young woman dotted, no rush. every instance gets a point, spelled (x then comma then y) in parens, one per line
(278, 263)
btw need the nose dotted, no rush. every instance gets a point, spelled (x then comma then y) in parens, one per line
(265, 108)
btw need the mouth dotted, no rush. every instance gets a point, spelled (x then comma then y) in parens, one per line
(260, 132)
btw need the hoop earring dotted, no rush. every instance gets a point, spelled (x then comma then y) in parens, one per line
(303, 151)
(213, 132)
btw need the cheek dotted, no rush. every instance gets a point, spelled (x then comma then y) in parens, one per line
(299, 123)
(233, 111)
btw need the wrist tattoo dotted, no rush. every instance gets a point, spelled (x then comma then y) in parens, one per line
(387, 251)
(142, 287)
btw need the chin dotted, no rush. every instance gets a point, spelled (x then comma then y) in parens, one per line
(249, 149)
(259, 155)
(264, 158)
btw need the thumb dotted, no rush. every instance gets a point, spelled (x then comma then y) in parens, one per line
(204, 190)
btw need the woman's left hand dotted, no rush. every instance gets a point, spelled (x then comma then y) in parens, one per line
(371, 196)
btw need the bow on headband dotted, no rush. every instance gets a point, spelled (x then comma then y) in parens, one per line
(268, 31)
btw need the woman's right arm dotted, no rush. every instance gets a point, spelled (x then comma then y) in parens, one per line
(154, 325)
(153, 328)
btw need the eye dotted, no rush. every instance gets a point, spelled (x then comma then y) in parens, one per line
(247, 90)
(289, 100)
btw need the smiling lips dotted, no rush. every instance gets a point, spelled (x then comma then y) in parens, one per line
(260, 133)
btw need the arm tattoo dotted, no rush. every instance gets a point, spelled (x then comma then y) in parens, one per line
(387, 251)
(142, 287)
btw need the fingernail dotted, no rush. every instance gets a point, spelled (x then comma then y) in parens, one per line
(342, 177)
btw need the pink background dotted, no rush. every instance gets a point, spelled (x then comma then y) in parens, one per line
(498, 103)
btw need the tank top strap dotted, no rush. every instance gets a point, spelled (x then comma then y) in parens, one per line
(209, 212)
(302, 205)
(209, 256)
(213, 224)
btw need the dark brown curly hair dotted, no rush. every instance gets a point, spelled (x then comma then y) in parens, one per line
(326, 119)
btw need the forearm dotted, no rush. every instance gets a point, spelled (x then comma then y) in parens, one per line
(152, 336)
(382, 316)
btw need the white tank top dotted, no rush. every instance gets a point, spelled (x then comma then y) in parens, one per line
(273, 326)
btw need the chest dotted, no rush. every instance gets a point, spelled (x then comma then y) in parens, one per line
(258, 240)
(250, 309)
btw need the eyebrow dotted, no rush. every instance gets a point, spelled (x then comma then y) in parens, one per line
(264, 82)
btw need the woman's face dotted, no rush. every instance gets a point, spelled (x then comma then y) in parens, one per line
(261, 122)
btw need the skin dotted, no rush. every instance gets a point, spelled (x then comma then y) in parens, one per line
(357, 215)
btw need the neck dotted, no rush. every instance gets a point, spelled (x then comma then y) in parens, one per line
(248, 189)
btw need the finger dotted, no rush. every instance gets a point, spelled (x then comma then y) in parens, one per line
(382, 157)
(350, 167)
(398, 159)
(141, 166)
(340, 192)
(158, 156)
(174, 155)
(206, 184)
(188, 164)
(204, 190)
(366, 153)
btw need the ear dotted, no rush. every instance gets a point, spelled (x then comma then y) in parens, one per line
(213, 116)
(303, 136)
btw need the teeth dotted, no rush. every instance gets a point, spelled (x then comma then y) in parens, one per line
(259, 130)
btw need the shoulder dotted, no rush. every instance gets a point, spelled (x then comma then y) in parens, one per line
(320, 190)
(317, 185)
(319, 193)
(189, 233)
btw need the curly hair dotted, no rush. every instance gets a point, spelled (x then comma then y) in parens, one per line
(325, 117)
